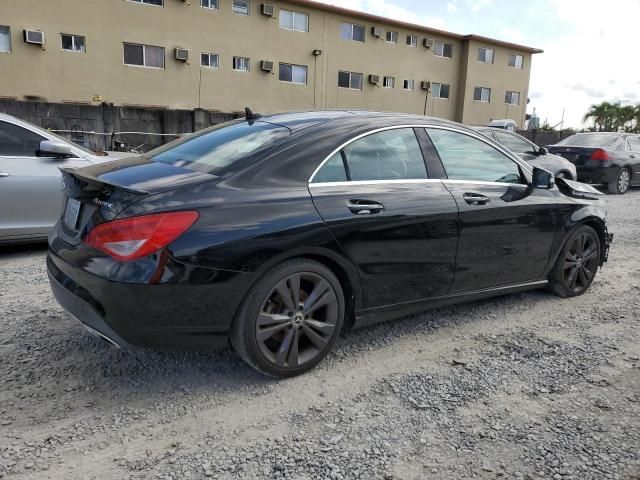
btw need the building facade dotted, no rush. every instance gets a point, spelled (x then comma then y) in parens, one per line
(223, 55)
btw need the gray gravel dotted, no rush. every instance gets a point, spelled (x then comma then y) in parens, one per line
(525, 386)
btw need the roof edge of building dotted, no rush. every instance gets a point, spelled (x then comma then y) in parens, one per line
(414, 26)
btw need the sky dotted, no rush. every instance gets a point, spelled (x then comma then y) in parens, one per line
(590, 46)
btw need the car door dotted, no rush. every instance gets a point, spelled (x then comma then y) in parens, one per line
(398, 227)
(30, 194)
(506, 227)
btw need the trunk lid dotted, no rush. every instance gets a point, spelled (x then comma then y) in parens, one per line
(98, 193)
(576, 155)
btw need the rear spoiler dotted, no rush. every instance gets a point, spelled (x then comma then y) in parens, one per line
(85, 177)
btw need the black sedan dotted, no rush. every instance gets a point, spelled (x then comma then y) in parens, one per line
(610, 159)
(278, 232)
(530, 152)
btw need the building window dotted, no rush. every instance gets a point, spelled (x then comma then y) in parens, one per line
(293, 73)
(408, 84)
(412, 40)
(73, 43)
(352, 31)
(441, 49)
(485, 55)
(350, 80)
(389, 82)
(516, 61)
(241, 64)
(482, 94)
(440, 90)
(392, 37)
(212, 4)
(512, 98)
(5, 39)
(210, 60)
(158, 3)
(143, 55)
(294, 21)
(241, 7)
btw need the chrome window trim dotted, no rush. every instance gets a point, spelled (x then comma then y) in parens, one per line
(477, 136)
(375, 182)
(479, 182)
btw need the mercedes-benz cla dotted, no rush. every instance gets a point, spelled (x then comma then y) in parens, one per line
(278, 232)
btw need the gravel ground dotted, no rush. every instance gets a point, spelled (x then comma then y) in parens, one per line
(523, 386)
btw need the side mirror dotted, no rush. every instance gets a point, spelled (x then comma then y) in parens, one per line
(49, 148)
(542, 151)
(543, 179)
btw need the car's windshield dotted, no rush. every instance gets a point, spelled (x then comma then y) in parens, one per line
(217, 150)
(602, 140)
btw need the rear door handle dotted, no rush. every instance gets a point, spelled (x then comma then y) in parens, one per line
(475, 199)
(4, 174)
(364, 207)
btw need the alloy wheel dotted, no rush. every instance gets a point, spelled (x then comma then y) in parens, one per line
(623, 180)
(581, 262)
(297, 320)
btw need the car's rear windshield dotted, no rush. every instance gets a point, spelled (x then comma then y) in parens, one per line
(592, 140)
(220, 149)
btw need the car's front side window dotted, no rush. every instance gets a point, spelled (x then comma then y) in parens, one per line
(634, 144)
(514, 143)
(16, 141)
(467, 158)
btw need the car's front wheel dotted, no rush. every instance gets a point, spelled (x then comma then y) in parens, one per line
(290, 319)
(577, 263)
(622, 182)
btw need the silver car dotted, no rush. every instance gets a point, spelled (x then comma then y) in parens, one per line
(531, 153)
(30, 179)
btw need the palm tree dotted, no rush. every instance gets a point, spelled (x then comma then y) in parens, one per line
(611, 117)
(599, 114)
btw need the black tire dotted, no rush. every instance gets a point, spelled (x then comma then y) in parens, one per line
(577, 264)
(622, 182)
(282, 341)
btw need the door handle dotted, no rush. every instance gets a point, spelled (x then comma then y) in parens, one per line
(475, 199)
(4, 174)
(364, 207)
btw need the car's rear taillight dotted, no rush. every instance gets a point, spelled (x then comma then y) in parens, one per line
(601, 155)
(136, 237)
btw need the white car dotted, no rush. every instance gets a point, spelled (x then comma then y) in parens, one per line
(30, 179)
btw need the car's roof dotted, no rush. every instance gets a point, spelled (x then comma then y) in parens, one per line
(299, 120)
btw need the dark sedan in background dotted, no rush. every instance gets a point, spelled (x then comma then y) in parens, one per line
(277, 232)
(530, 152)
(611, 159)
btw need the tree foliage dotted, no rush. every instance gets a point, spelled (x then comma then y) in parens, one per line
(614, 117)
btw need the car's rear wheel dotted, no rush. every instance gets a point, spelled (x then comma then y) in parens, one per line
(622, 182)
(577, 264)
(290, 319)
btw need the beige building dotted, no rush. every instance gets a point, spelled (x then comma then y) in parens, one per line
(273, 56)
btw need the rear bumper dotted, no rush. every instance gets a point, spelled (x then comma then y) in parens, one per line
(182, 316)
(598, 175)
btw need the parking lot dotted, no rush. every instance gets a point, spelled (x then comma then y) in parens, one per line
(523, 386)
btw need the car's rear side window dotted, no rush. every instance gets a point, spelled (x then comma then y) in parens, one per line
(467, 158)
(388, 155)
(16, 141)
(634, 144)
(217, 150)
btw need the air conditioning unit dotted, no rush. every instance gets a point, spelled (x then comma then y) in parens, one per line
(377, 31)
(428, 43)
(374, 79)
(266, 66)
(34, 37)
(268, 10)
(426, 85)
(182, 54)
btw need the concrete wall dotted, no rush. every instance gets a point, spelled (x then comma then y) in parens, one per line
(78, 120)
(542, 138)
(54, 75)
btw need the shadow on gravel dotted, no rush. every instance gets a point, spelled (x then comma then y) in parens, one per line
(25, 248)
(66, 360)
